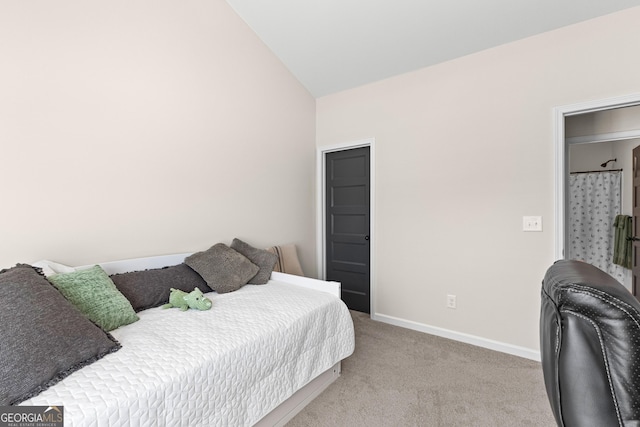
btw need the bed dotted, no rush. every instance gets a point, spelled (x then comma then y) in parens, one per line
(257, 357)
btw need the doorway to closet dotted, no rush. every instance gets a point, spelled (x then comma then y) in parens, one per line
(345, 231)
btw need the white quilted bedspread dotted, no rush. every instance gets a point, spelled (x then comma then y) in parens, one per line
(228, 366)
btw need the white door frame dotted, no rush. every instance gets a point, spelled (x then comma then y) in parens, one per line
(562, 148)
(321, 211)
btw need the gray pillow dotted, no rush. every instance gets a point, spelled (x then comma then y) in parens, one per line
(151, 288)
(264, 259)
(43, 337)
(224, 269)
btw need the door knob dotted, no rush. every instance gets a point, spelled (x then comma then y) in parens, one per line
(367, 238)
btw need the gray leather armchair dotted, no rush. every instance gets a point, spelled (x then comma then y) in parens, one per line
(590, 347)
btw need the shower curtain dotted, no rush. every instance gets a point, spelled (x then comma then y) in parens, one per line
(594, 201)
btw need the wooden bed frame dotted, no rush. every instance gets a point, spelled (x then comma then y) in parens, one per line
(301, 398)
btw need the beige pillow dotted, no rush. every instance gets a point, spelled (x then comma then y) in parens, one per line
(287, 259)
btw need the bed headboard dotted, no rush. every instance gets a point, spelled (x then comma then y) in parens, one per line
(136, 264)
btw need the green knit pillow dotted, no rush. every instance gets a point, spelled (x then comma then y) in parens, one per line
(93, 293)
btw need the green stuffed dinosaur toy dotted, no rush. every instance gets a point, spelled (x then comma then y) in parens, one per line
(184, 301)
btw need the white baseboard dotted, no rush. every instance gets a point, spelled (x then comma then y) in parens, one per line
(515, 350)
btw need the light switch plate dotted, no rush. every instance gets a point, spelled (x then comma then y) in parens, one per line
(531, 223)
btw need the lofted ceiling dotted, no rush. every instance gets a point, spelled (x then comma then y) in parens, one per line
(333, 45)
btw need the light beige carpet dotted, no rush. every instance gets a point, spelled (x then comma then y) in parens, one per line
(400, 377)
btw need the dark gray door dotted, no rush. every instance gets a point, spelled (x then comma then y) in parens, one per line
(347, 228)
(635, 262)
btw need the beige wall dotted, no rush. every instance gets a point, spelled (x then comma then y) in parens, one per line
(464, 149)
(589, 157)
(142, 128)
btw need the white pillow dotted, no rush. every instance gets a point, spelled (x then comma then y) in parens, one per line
(49, 268)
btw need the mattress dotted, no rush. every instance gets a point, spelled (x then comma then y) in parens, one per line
(228, 366)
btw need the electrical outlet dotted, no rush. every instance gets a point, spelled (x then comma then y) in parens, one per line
(451, 301)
